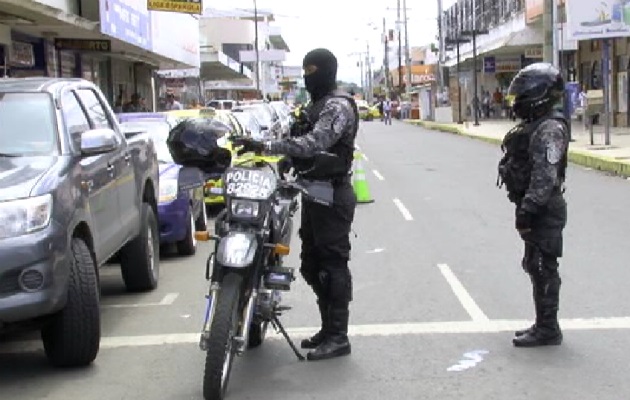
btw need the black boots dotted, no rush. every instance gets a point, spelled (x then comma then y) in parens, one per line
(318, 338)
(335, 342)
(546, 331)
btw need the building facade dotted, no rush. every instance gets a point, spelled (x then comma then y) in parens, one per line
(117, 44)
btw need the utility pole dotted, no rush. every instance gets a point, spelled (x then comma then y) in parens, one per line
(369, 71)
(400, 79)
(476, 100)
(386, 58)
(407, 54)
(256, 48)
(548, 31)
(441, 47)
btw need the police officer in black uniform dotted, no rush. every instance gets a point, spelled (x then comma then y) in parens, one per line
(533, 171)
(328, 124)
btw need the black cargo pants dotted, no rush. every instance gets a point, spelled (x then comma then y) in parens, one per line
(325, 235)
(543, 247)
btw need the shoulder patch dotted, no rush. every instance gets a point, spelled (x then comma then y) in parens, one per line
(554, 153)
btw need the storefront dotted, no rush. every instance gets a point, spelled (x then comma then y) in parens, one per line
(27, 56)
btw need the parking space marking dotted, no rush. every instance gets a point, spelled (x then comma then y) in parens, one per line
(167, 300)
(369, 330)
(378, 175)
(462, 294)
(403, 210)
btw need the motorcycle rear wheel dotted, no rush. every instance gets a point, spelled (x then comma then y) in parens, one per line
(221, 346)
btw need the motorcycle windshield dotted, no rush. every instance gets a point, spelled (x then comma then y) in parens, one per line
(249, 183)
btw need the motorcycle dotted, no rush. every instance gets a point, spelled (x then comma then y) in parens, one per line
(245, 271)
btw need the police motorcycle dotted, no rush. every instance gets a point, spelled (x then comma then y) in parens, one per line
(252, 235)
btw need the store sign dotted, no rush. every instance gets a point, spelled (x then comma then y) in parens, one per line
(22, 54)
(98, 46)
(535, 52)
(489, 65)
(600, 19)
(127, 20)
(179, 6)
(508, 65)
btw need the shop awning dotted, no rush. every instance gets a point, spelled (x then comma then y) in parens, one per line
(216, 66)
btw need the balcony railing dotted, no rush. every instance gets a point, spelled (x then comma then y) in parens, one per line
(487, 14)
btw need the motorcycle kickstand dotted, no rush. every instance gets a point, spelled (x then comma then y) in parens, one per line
(278, 326)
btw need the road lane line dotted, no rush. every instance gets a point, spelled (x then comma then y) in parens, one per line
(462, 295)
(168, 300)
(403, 210)
(372, 330)
(365, 157)
(378, 175)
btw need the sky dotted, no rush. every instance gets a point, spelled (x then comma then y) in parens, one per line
(342, 26)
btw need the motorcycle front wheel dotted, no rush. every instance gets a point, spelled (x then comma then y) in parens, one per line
(221, 346)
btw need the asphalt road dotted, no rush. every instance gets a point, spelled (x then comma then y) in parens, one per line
(438, 292)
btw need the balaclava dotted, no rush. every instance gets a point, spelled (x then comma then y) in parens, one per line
(324, 79)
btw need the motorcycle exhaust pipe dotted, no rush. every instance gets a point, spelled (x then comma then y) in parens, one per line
(243, 338)
(210, 310)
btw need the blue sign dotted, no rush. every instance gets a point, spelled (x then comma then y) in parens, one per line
(572, 97)
(127, 20)
(489, 65)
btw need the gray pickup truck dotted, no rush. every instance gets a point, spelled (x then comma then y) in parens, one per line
(74, 192)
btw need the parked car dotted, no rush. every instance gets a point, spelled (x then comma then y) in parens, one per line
(74, 192)
(366, 111)
(222, 104)
(284, 114)
(180, 212)
(266, 116)
(250, 124)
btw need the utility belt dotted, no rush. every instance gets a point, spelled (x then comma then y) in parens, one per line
(322, 190)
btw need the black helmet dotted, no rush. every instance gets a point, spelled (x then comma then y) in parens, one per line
(536, 89)
(194, 143)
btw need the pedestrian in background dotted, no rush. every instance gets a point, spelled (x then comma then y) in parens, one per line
(387, 111)
(533, 171)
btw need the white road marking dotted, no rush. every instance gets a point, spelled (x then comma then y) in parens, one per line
(462, 294)
(374, 251)
(378, 175)
(403, 210)
(365, 157)
(168, 300)
(374, 330)
(469, 360)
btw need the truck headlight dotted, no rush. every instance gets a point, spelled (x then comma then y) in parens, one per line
(244, 208)
(22, 216)
(237, 250)
(168, 190)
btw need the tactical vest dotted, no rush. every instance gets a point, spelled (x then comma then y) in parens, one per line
(515, 168)
(343, 148)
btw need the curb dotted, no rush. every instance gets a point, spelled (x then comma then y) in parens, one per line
(579, 157)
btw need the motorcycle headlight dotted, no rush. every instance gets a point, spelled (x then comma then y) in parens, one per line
(245, 208)
(168, 190)
(237, 250)
(19, 217)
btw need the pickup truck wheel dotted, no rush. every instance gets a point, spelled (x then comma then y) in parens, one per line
(188, 246)
(72, 338)
(139, 262)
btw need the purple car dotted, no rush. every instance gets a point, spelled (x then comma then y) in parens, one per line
(180, 212)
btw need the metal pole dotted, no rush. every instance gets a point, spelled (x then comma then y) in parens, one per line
(400, 78)
(256, 47)
(386, 58)
(407, 54)
(362, 76)
(459, 68)
(441, 47)
(476, 101)
(548, 31)
(606, 82)
(554, 22)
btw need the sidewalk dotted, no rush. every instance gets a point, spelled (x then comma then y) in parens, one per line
(614, 158)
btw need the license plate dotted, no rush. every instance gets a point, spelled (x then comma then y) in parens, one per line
(216, 190)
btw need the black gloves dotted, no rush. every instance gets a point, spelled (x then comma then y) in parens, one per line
(249, 145)
(523, 220)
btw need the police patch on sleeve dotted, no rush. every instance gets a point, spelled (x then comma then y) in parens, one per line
(554, 153)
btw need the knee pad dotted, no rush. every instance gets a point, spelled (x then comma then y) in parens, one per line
(338, 285)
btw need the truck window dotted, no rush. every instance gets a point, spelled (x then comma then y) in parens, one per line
(94, 108)
(75, 118)
(28, 126)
